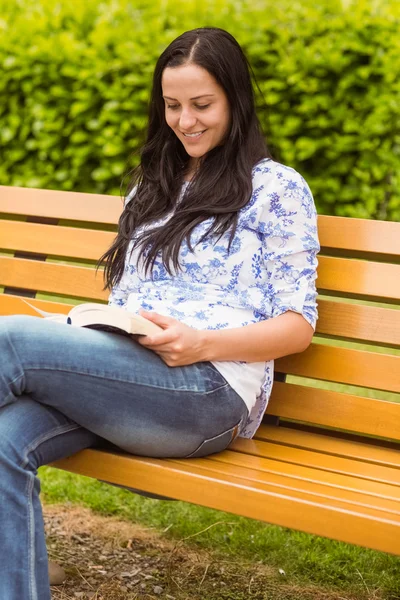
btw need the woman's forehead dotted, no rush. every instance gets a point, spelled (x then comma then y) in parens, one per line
(190, 81)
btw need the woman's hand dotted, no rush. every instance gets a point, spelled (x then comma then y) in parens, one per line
(178, 344)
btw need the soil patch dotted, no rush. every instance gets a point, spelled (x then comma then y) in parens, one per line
(106, 558)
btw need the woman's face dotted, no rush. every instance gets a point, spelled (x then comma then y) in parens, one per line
(196, 109)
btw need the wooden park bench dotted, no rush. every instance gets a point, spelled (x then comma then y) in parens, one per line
(327, 458)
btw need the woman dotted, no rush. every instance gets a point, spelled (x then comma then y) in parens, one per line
(217, 244)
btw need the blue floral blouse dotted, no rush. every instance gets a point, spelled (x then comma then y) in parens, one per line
(270, 269)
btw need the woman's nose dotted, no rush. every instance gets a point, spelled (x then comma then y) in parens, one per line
(187, 120)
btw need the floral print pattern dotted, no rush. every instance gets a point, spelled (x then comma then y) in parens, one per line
(269, 269)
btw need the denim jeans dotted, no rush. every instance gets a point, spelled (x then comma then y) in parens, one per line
(63, 389)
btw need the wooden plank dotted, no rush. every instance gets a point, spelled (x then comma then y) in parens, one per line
(187, 481)
(334, 274)
(326, 444)
(358, 322)
(58, 204)
(360, 492)
(52, 278)
(86, 244)
(380, 237)
(351, 277)
(362, 235)
(13, 305)
(334, 409)
(320, 462)
(342, 365)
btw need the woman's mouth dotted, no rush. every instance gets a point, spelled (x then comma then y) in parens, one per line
(194, 136)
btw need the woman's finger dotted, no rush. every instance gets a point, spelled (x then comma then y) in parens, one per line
(162, 320)
(158, 340)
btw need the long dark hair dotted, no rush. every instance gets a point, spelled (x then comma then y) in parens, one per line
(222, 184)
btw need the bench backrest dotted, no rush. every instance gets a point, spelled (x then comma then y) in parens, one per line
(50, 241)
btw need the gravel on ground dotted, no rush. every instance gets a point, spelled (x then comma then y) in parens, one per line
(106, 558)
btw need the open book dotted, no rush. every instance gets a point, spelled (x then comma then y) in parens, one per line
(103, 317)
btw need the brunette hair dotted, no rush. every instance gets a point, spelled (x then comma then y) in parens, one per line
(222, 184)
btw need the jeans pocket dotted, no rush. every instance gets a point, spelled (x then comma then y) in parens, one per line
(217, 443)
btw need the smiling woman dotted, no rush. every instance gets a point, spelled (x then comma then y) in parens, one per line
(217, 245)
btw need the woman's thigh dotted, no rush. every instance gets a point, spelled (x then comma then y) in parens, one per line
(114, 387)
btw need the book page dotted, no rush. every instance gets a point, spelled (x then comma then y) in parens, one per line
(58, 317)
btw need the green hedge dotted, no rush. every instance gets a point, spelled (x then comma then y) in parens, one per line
(74, 84)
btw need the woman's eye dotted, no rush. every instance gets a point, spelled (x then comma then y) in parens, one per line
(172, 106)
(202, 106)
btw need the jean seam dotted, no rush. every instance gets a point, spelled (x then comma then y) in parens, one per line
(31, 538)
(146, 385)
(21, 375)
(29, 492)
(214, 437)
(44, 438)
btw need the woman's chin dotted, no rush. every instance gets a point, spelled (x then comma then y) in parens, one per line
(196, 152)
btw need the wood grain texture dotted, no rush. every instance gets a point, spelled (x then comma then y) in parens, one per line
(326, 444)
(359, 322)
(334, 409)
(351, 277)
(52, 278)
(75, 243)
(320, 482)
(342, 365)
(60, 205)
(337, 465)
(361, 235)
(342, 489)
(193, 481)
(13, 305)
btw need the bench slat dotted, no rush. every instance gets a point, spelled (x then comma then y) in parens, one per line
(58, 204)
(325, 485)
(359, 322)
(361, 235)
(326, 444)
(359, 278)
(51, 278)
(188, 481)
(72, 242)
(351, 321)
(344, 276)
(342, 365)
(335, 409)
(13, 305)
(354, 490)
(325, 462)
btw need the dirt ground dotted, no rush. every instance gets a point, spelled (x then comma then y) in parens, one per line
(109, 559)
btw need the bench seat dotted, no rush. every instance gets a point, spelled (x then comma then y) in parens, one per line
(327, 458)
(344, 490)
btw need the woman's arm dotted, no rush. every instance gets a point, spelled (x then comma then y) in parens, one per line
(287, 230)
(180, 344)
(287, 334)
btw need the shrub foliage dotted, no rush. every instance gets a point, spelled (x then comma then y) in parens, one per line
(75, 79)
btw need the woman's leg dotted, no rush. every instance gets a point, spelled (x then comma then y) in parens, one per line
(30, 435)
(108, 385)
(118, 389)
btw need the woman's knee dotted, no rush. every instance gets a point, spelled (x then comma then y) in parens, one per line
(11, 322)
(15, 327)
(32, 435)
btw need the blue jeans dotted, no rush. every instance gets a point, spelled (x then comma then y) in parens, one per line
(63, 389)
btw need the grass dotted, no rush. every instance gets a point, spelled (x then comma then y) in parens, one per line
(305, 559)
